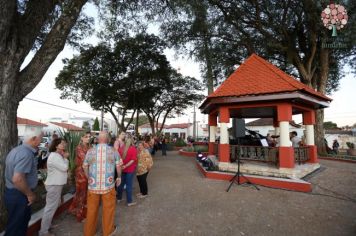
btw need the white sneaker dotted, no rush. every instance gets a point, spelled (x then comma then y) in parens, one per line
(131, 204)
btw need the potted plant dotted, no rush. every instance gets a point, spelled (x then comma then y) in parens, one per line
(73, 140)
(351, 151)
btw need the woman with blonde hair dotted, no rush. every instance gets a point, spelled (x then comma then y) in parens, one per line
(144, 165)
(129, 158)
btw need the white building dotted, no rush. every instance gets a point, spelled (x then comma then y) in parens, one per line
(264, 126)
(55, 126)
(26, 125)
(182, 130)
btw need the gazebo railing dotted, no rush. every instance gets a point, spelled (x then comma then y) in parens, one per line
(301, 155)
(254, 153)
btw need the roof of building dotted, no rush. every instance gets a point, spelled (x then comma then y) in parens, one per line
(338, 131)
(23, 121)
(67, 126)
(268, 122)
(147, 125)
(179, 126)
(256, 76)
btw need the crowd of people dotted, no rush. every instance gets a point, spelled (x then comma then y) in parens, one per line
(105, 168)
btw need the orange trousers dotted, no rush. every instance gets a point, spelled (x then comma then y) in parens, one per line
(108, 213)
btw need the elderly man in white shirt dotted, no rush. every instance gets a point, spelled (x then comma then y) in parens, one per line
(57, 167)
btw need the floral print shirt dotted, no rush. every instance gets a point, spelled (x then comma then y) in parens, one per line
(101, 161)
(145, 162)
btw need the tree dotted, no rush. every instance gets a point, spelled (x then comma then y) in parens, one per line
(330, 125)
(188, 29)
(39, 28)
(175, 96)
(142, 119)
(117, 79)
(96, 125)
(86, 126)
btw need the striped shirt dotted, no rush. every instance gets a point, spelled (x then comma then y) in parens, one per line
(101, 161)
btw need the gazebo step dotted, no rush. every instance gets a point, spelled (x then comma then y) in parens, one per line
(272, 182)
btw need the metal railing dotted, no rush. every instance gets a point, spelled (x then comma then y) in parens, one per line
(254, 153)
(301, 155)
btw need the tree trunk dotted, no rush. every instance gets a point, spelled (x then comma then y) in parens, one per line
(319, 132)
(319, 127)
(136, 123)
(209, 67)
(8, 137)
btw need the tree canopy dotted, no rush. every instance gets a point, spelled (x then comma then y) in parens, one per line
(134, 75)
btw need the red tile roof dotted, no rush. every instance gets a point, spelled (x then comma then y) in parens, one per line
(68, 126)
(179, 126)
(147, 125)
(23, 121)
(257, 76)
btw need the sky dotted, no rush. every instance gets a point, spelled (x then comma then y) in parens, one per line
(342, 109)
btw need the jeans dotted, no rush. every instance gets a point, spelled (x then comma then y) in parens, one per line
(142, 182)
(19, 213)
(53, 200)
(126, 179)
(164, 149)
(108, 213)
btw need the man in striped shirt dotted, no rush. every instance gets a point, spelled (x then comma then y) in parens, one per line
(99, 166)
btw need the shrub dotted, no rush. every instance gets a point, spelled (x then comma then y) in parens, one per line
(188, 149)
(350, 145)
(180, 143)
(201, 148)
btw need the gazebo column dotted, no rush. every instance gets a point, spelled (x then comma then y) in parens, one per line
(286, 152)
(224, 147)
(309, 121)
(212, 132)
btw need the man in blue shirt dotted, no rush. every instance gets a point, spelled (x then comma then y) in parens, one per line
(20, 180)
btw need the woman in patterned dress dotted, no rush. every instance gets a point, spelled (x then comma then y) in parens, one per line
(79, 205)
(144, 165)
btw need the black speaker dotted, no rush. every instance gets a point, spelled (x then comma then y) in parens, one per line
(238, 127)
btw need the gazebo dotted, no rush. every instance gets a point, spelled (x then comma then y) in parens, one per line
(258, 89)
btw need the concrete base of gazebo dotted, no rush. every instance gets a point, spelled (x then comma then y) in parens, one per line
(263, 169)
(264, 174)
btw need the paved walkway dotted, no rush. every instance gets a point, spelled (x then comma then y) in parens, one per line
(182, 202)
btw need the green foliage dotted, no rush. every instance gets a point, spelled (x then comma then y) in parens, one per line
(330, 125)
(201, 148)
(86, 126)
(180, 143)
(73, 140)
(189, 149)
(196, 148)
(350, 145)
(141, 120)
(119, 78)
(96, 125)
